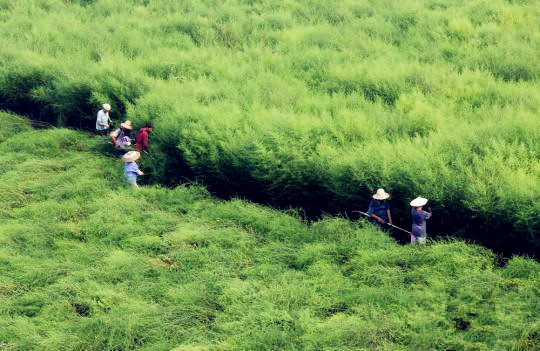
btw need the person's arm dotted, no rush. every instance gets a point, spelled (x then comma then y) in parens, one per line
(145, 142)
(371, 211)
(377, 218)
(136, 169)
(114, 136)
(389, 216)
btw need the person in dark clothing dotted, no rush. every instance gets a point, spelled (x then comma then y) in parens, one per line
(379, 208)
(141, 139)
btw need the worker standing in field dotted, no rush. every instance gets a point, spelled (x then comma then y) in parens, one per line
(141, 139)
(419, 217)
(103, 121)
(379, 208)
(131, 169)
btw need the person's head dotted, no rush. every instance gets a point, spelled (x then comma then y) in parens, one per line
(126, 126)
(106, 107)
(131, 156)
(149, 126)
(381, 195)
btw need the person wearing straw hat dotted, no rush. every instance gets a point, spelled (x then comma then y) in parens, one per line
(419, 217)
(131, 169)
(379, 208)
(121, 138)
(103, 121)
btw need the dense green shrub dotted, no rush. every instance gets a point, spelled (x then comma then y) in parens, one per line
(305, 104)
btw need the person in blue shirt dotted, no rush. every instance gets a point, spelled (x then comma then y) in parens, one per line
(131, 169)
(419, 217)
(379, 208)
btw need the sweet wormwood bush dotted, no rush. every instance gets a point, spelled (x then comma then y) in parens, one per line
(89, 264)
(305, 104)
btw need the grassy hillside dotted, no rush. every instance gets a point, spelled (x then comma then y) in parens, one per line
(310, 104)
(87, 263)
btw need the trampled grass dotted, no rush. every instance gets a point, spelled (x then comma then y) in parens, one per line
(87, 263)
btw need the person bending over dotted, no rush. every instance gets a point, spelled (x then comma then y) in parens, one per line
(141, 139)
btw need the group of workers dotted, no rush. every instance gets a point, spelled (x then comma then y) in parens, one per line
(379, 212)
(122, 140)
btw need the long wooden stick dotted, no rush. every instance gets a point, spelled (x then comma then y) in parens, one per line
(390, 224)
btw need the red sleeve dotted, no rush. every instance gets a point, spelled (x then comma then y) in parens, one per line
(145, 140)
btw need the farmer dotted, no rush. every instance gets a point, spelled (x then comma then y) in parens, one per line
(131, 169)
(419, 217)
(141, 139)
(121, 138)
(379, 208)
(103, 121)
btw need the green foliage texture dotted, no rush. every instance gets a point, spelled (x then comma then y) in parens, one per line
(87, 263)
(311, 104)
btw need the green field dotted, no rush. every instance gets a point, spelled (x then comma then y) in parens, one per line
(275, 120)
(89, 264)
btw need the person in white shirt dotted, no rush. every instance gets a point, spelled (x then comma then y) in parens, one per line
(103, 120)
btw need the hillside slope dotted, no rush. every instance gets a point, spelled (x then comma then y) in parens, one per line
(89, 264)
(311, 104)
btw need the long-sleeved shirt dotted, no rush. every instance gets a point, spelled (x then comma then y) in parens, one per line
(141, 140)
(379, 208)
(102, 120)
(419, 222)
(131, 171)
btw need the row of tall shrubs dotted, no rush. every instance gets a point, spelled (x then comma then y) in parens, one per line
(305, 104)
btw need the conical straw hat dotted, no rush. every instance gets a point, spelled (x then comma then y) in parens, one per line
(419, 201)
(381, 194)
(131, 156)
(126, 125)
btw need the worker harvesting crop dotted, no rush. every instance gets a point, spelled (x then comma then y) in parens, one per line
(142, 138)
(103, 121)
(131, 169)
(121, 138)
(419, 217)
(379, 208)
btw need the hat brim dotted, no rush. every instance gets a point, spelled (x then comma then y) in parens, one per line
(131, 156)
(383, 197)
(126, 126)
(419, 201)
